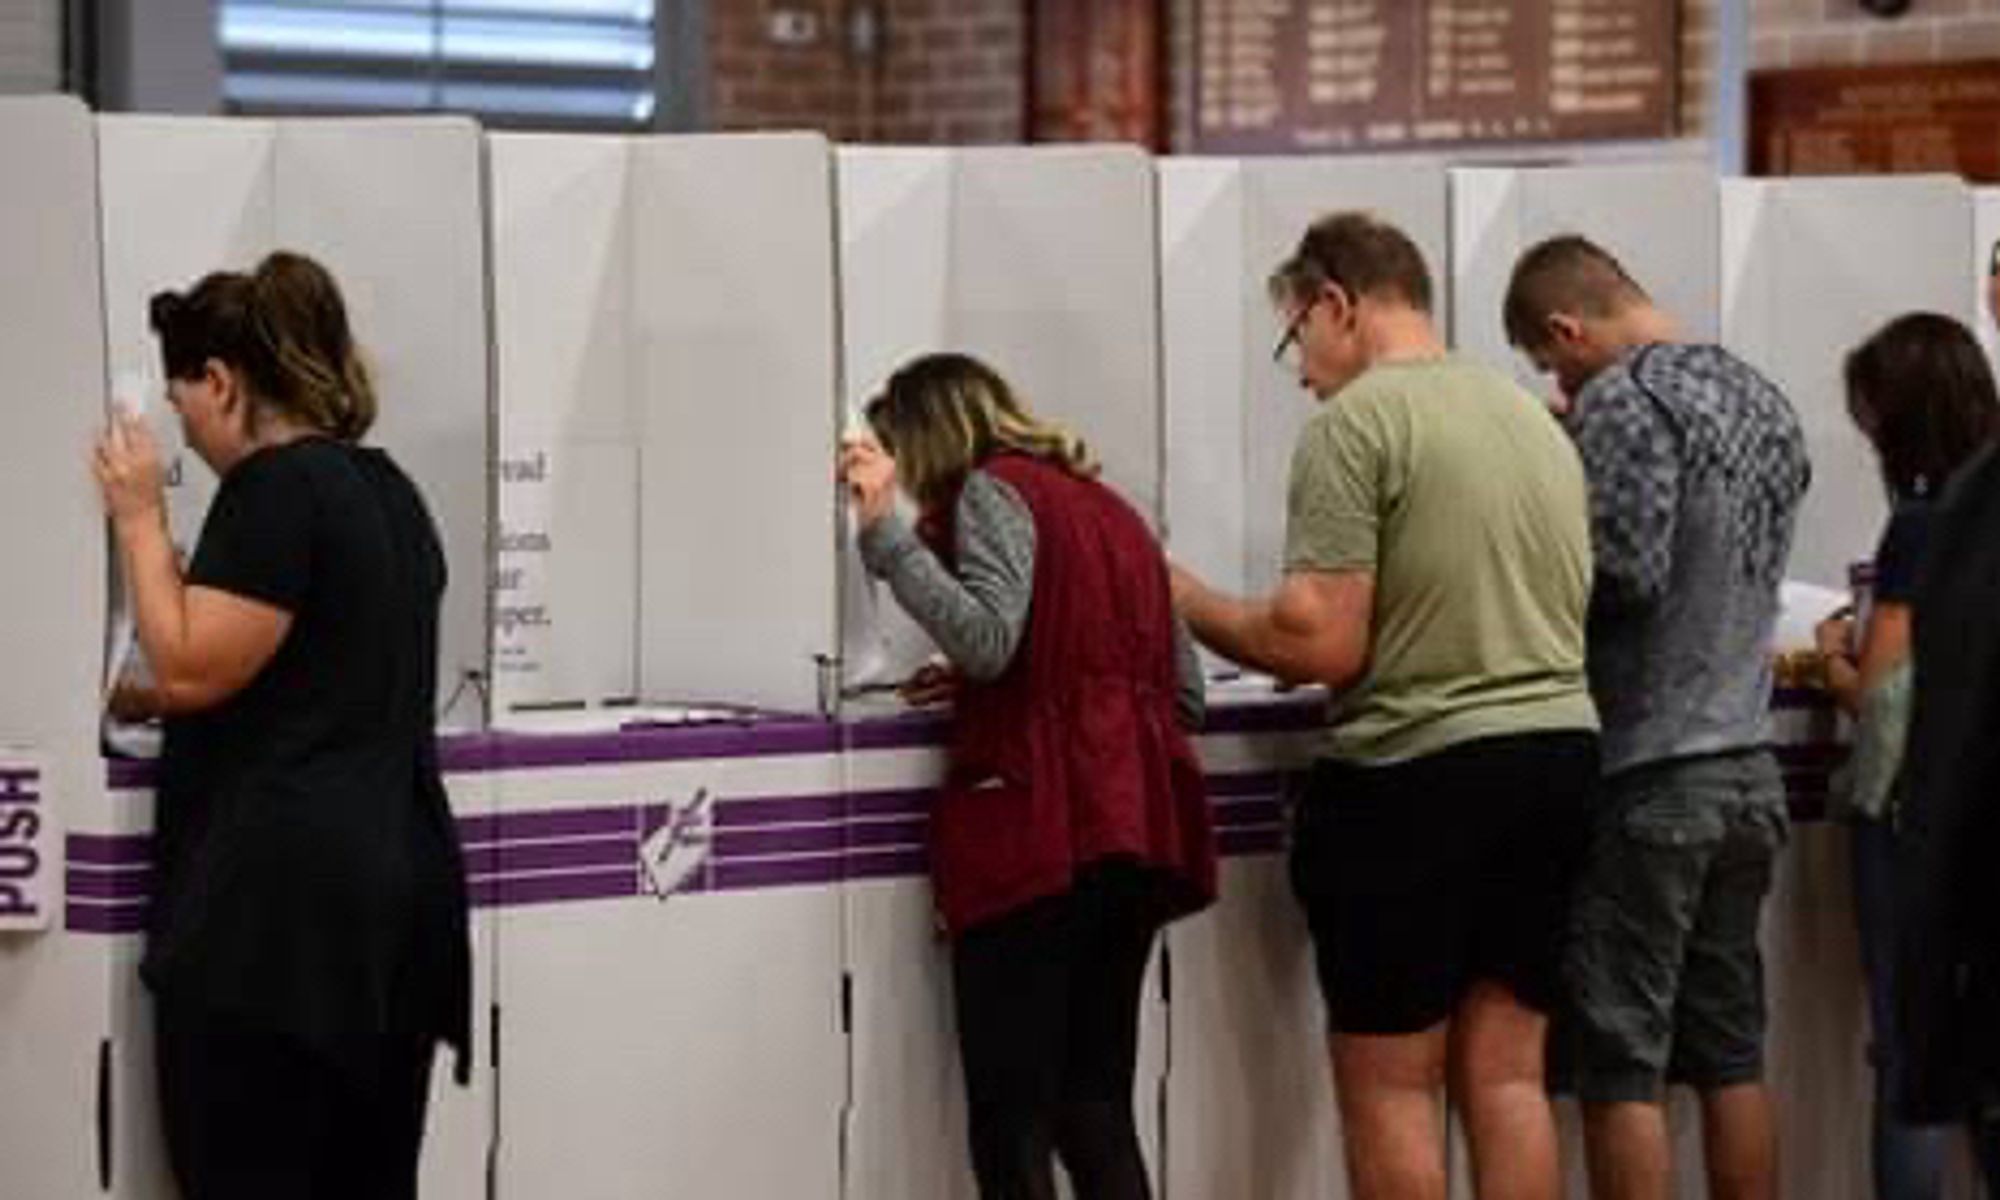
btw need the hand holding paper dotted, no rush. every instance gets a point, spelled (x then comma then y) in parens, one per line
(870, 475)
(130, 471)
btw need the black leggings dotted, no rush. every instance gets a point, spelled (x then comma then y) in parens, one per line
(1048, 1029)
(253, 1115)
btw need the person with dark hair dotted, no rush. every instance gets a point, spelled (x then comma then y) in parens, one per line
(1922, 394)
(1697, 466)
(307, 943)
(1073, 821)
(1437, 568)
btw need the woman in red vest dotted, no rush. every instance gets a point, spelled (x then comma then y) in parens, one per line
(1072, 824)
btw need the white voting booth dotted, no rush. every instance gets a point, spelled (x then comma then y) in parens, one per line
(667, 401)
(1040, 263)
(1250, 1106)
(393, 209)
(1225, 225)
(667, 388)
(1985, 235)
(54, 988)
(1812, 267)
(1662, 221)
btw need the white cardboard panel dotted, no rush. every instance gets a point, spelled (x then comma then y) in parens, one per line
(738, 372)
(1283, 197)
(1205, 365)
(1830, 262)
(53, 983)
(1055, 283)
(894, 208)
(1251, 1109)
(686, 1046)
(181, 197)
(1661, 221)
(395, 209)
(567, 580)
(1985, 235)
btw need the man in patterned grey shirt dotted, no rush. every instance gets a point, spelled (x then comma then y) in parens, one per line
(1696, 466)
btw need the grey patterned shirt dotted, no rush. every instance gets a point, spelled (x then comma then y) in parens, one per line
(1697, 466)
(978, 616)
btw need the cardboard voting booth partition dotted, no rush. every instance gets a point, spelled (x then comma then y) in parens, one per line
(1040, 263)
(668, 370)
(1812, 267)
(1226, 224)
(1661, 221)
(54, 988)
(1250, 1106)
(394, 209)
(1985, 236)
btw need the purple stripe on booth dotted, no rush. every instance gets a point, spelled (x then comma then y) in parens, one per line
(129, 774)
(109, 849)
(508, 892)
(1234, 842)
(1273, 716)
(775, 872)
(84, 916)
(1238, 813)
(893, 802)
(887, 864)
(610, 820)
(749, 739)
(509, 859)
(904, 731)
(754, 811)
(99, 883)
(1247, 783)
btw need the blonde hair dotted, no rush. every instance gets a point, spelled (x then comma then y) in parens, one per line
(942, 415)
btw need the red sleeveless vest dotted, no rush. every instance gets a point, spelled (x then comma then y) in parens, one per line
(1073, 755)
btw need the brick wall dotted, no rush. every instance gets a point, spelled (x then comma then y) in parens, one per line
(1814, 33)
(942, 71)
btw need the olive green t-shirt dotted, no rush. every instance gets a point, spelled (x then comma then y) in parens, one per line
(1466, 500)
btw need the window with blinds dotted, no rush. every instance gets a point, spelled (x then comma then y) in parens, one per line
(524, 63)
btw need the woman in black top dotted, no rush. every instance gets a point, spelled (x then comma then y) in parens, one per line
(307, 945)
(1921, 392)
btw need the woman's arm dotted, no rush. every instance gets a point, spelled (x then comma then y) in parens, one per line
(203, 645)
(1885, 644)
(978, 616)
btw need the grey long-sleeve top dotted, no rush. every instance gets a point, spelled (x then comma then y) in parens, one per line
(978, 616)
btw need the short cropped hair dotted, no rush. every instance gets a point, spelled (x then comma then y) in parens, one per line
(1567, 274)
(1359, 252)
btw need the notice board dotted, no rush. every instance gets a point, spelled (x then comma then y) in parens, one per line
(1332, 75)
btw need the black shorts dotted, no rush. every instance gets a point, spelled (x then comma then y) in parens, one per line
(1420, 878)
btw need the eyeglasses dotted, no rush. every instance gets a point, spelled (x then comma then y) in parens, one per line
(1293, 331)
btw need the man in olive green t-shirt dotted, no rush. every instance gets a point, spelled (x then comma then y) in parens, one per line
(1437, 573)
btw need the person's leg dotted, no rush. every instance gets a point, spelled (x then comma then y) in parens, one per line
(1010, 991)
(241, 1118)
(1380, 861)
(1720, 1020)
(1908, 1160)
(1496, 1051)
(1391, 1124)
(1626, 1146)
(1095, 1133)
(378, 1139)
(1641, 886)
(1533, 799)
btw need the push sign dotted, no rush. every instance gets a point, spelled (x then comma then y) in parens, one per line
(27, 868)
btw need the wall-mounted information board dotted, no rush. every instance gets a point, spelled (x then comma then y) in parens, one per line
(1330, 75)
